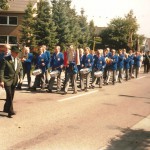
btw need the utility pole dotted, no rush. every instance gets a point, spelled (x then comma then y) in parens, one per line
(94, 44)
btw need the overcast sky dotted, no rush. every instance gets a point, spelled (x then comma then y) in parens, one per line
(102, 11)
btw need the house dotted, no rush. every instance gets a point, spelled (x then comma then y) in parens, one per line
(11, 19)
(147, 45)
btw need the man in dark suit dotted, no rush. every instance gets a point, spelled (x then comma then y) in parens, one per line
(9, 69)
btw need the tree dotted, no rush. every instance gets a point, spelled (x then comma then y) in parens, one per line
(4, 4)
(92, 34)
(60, 17)
(121, 32)
(27, 27)
(84, 36)
(74, 27)
(45, 29)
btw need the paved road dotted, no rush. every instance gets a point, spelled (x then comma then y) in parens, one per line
(112, 118)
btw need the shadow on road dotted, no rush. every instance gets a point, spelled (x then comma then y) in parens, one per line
(147, 102)
(134, 96)
(108, 104)
(2, 114)
(2, 99)
(139, 115)
(130, 140)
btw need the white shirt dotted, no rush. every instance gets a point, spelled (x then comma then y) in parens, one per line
(14, 60)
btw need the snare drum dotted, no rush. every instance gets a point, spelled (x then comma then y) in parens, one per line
(98, 74)
(84, 70)
(54, 73)
(36, 72)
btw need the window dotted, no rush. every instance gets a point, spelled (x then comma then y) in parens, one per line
(8, 39)
(3, 39)
(8, 20)
(3, 20)
(12, 40)
(13, 20)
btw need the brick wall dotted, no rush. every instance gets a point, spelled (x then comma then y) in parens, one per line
(12, 30)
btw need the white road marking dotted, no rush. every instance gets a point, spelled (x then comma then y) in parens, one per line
(69, 98)
(141, 77)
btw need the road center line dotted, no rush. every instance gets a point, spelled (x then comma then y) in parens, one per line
(141, 77)
(69, 98)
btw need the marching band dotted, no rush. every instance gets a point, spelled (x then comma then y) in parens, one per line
(83, 68)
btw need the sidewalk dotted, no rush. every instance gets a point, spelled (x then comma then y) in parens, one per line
(136, 137)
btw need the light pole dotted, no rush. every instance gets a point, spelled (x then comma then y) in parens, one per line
(130, 41)
(94, 43)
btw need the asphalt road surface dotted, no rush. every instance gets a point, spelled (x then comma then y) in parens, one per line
(115, 117)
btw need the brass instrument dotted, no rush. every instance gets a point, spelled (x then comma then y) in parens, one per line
(108, 60)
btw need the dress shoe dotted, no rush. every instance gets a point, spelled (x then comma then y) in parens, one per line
(18, 88)
(86, 90)
(33, 88)
(79, 86)
(74, 93)
(13, 113)
(64, 93)
(9, 116)
(49, 91)
(92, 87)
(81, 90)
(58, 91)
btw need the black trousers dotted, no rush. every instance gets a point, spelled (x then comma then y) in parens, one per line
(10, 91)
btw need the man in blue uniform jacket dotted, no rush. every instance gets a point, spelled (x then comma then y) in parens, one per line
(57, 62)
(87, 62)
(113, 65)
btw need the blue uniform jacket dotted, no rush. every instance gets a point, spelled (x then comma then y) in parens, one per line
(127, 63)
(39, 60)
(120, 63)
(72, 68)
(94, 57)
(56, 61)
(113, 65)
(131, 59)
(1, 56)
(48, 57)
(28, 62)
(99, 63)
(137, 60)
(87, 61)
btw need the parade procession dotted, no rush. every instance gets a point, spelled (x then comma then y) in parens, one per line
(74, 75)
(73, 70)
